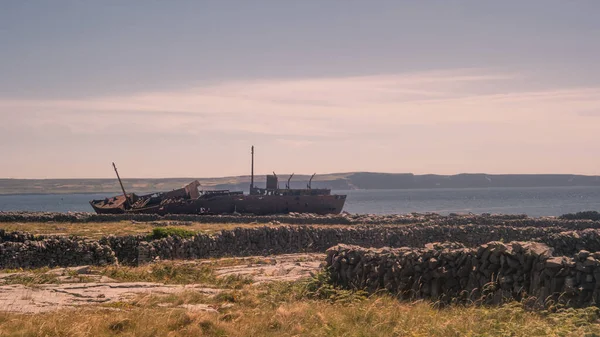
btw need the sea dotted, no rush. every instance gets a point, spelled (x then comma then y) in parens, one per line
(535, 202)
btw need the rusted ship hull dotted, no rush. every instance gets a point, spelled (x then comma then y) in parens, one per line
(322, 204)
(255, 204)
(114, 205)
(246, 204)
(149, 203)
(116, 210)
(260, 201)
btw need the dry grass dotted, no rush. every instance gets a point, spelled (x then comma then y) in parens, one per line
(96, 230)
(173, 272)
(302, 308)
(283, 309)
(305, 308)
(30, 279)
(167, 272)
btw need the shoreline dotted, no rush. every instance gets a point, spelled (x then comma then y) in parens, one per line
(476, 188)
(294, 218)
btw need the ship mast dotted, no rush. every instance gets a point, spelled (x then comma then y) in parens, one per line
(121, 183)
(310, 181)
(252, 171)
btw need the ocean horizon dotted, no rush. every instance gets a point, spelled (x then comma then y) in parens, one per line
(533, 201)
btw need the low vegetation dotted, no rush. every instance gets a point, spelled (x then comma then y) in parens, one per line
(29, 278)
(163, 232)
(587, 215)
(167, 272)
(297, 309)
(96, 230)
(173, 273)
(154, 229)
(310, 307)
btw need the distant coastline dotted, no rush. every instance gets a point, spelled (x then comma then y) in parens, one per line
(336, 181)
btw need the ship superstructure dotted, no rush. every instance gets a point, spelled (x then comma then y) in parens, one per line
(260, 201)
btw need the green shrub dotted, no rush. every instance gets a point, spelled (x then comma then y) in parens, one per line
(163, 232)
(317, 287)
(587, 215)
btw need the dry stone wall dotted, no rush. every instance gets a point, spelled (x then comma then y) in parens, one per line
(570, 242)
(82, 217)
(25, 250)
(14, 236)
(125, 248)
(300, 219)
(54, 252)
(490, 273)
(294, 239)
(546, 260)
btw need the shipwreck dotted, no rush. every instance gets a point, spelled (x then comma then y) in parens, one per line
(191, 200)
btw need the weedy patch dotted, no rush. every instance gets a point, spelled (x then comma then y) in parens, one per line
(21, 270)
(306, 308)
(31, 279)
(45, 275)
(320, 287)
(163, 232)
(171, 272)
(120, 305)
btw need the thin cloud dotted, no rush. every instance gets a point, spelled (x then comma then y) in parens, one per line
(316, 106)
(589, 113)
(294, 143)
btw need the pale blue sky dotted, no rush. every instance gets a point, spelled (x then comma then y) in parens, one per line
(183, 88)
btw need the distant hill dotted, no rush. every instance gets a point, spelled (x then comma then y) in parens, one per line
(336, 181)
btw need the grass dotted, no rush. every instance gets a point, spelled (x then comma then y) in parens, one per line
(302, 308)
(96, 230)
(309, 307)
(30, 279)
(170, 272)
(163, 232)
(33, 277)
(89, 230)
(296, 309)
(167, 272)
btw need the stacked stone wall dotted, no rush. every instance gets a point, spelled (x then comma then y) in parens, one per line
(306, 219)
(125, 248)
(54, 252)
(490, 273)
(569, 243)
(15, 236)
(18, 246)
(295, 239)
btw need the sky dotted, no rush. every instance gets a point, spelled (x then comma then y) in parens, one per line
(184, 88)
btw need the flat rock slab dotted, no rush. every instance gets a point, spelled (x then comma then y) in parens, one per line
(98, 289)
(287, 267)
(48, 297)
